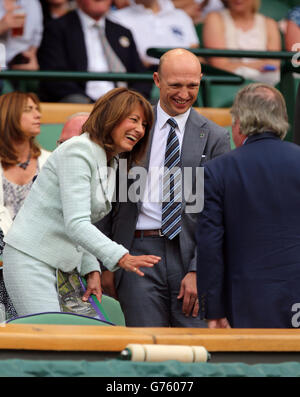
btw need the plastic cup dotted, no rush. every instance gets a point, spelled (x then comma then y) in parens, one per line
(20, 15)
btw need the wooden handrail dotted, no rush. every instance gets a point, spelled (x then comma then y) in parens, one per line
(56, 113)
(114, 339)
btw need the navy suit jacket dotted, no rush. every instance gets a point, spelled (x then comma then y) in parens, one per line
(296, 132)
(63, 49)
(248, 235)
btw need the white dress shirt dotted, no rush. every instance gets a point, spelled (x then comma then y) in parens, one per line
(150, 214)
(95, 54)
(170, 27)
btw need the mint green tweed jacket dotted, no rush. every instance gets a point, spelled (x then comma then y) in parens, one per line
(73, 191)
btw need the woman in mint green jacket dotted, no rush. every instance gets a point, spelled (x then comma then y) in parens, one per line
(55, 227)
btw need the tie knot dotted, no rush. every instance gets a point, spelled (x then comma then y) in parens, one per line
(172, 123)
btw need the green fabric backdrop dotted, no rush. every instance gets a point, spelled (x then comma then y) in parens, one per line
(112, 368)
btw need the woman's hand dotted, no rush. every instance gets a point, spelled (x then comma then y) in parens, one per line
(132, 263)
(93, 286)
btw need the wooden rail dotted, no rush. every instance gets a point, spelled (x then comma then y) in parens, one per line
(56, 113)
(114, 339)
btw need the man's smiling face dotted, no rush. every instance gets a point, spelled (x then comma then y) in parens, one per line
(178, 81)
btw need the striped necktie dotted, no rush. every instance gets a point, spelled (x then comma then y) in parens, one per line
(172, 192)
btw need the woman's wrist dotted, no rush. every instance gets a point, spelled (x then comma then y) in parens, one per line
(122, 260)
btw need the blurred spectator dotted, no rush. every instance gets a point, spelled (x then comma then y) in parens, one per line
(240, 27)
(157, 23)
(292, 36)
(21, 34)
(86, 40)
(73, 126)
(197, 9)
(120, 3)
(55, 8)
(21, 157)
(21, 160)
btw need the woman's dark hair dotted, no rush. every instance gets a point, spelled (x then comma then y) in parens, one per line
(109, 111)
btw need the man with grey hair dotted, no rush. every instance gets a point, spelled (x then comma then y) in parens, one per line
(248, 233)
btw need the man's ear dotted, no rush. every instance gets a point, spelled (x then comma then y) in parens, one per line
(156, 79)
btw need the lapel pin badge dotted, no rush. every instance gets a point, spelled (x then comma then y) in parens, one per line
(202, 134)
(124, 41)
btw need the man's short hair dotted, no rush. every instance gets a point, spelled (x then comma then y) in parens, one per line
(259, 108)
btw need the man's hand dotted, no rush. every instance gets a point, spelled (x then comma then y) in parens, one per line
(33, 62)
(108, 284)
(218, 323)
(11, 20)
(93, 286)
(132, 263)
(188, 291)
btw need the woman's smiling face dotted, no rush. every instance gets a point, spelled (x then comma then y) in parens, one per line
(129, 131)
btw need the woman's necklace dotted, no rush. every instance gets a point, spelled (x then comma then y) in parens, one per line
(26, 163)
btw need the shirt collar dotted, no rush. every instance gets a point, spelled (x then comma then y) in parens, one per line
(163, 117)
(88, 22)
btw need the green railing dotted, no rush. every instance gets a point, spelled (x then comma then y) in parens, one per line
(217, 77)
(212, 76)
(58, 75)
(208, 52)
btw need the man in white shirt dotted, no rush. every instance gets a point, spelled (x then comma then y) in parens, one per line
(86, 40)
(167, 294)
(157, 23)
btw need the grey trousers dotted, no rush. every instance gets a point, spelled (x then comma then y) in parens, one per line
(151, 301)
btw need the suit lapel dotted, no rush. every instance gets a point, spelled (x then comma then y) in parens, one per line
(146, 161)
(194, 140)
(192, 151)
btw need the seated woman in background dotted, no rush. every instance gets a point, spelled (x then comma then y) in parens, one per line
(292, 35)
(20, 155)
(21, 159)
(240, 27)
(55, 227)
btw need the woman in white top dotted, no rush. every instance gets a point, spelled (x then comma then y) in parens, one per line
(240, 27)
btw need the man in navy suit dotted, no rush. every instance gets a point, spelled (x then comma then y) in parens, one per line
(248, 234)
(74, 42)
